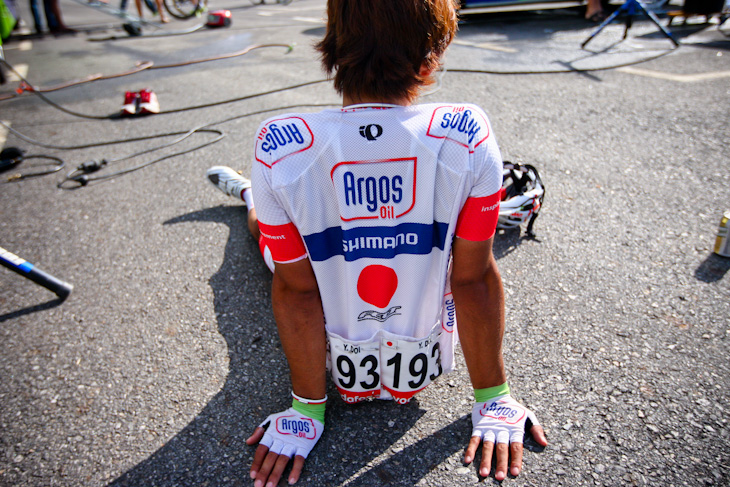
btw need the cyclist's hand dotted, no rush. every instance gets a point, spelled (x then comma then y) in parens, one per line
(281, 437)
(500, 424)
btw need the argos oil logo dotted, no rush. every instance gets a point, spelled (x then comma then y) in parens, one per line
(458, 124)
(281, 138)
(507, 413)
(384, 189)
(448, 316)
(300, 427)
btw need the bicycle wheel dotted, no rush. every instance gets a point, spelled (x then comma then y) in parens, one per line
(184, 9)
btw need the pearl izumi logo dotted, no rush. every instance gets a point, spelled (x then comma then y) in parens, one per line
(371, 132)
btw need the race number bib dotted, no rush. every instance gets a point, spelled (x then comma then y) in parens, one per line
(355, 368)
(388, 363)
(410, 366)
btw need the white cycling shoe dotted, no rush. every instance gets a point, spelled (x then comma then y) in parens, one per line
(228, 181)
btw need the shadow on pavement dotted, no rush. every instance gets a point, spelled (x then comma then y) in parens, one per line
(409, 465)
(713, 268)
(211, 449)
(507, 241)
(685, 31)
(31, 309)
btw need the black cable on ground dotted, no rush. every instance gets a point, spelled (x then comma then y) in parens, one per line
(94, 144)
(268, 110)
(149, 65)
(567, 70)
(43, 97)
(56, 165)
(141, 66)
(80, 176)
(245, 97)
(26, 87)
(163, 112)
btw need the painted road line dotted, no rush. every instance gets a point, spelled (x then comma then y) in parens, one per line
(312, 20)
(680, 78)
(25, 45)
(285, 9)
(4, 133)
(22, 70)
(485, 45)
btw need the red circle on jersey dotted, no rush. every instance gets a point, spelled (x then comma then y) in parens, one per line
(377, 284)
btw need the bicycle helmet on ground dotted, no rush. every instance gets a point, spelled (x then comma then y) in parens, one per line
(522, 195)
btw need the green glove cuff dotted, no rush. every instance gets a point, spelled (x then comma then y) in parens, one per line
(309, 408)
(484, 395)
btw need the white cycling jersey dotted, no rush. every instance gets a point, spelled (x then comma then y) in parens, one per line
(373, 195)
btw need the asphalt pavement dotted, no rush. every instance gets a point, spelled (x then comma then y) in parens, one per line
(165, 356)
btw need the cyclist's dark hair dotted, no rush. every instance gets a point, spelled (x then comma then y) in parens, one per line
(377, 47)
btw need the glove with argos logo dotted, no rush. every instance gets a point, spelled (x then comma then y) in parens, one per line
(501, 420)
(290, 433)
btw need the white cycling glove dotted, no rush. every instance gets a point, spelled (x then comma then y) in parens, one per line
(501, 420)
(291, 433)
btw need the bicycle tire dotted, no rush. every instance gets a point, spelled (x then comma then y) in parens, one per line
(184, 9)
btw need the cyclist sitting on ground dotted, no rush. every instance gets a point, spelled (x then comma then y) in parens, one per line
(378, 221)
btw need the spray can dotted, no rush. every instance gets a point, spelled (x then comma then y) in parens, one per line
(722, 242)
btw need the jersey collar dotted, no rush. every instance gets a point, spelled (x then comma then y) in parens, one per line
(373, 106)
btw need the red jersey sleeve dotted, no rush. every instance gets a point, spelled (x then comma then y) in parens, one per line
(284, 242)
(478, 218)
(278, 232)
